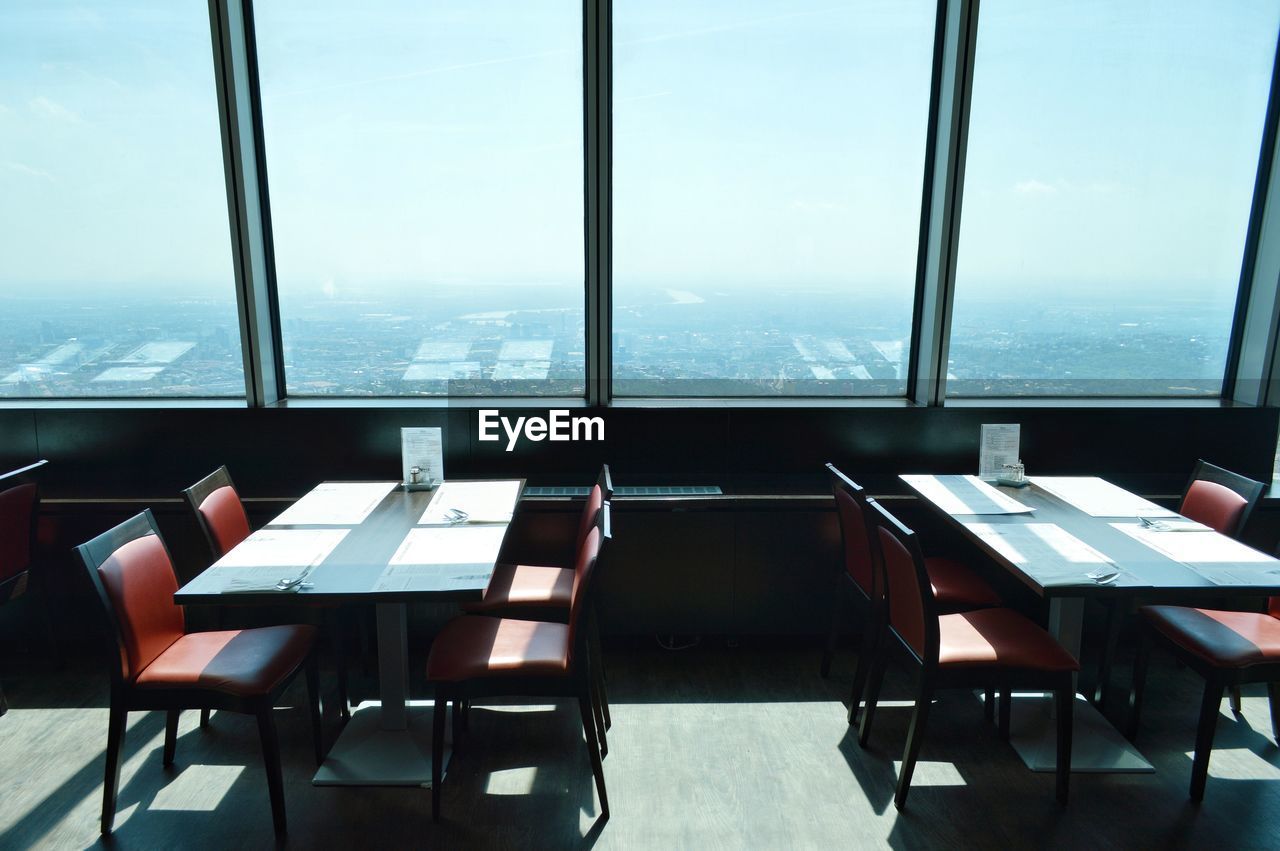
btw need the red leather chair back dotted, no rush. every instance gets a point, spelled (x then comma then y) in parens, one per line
(1214, 505)
(595, 499)
(17, 507)
(224, 515)
(584, 570)
(139, 582)
(857, 548)
(906, 600)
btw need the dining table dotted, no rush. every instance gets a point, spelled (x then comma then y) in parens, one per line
(380, 544)
(1069, 539)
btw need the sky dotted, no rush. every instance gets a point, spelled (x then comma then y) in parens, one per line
(1112, 146)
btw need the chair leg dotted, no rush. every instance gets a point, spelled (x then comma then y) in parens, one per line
(312, 672)
(596, 658)
(989, 704)
(170, 736)
(1066, 699)
(204, 718)
(437, 749)
(1139, 686)
(1006, 712)
(1273, 697)
(919, 717)
(271, 761)
(867, 651)
(833, 631)
(1233, 692)
(111, 781)
(455, 718)
(593, 748)
(342, 631)
(597, 709)
(465, 704)
(874, 680)
(1209, 707)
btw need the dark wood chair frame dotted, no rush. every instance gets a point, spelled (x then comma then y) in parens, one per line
(341, 628)
(932, 677)
(871, 641)
(849, 591)
(600, 695)
(1247, 488)
(1118, 610)
(198, 493)
(1216, 681)
(21, 582)
(578, 683)
(126, 697)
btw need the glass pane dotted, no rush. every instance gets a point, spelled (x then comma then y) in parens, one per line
(426, 173)
(1112, 154)
(115, 261)
(768, 171)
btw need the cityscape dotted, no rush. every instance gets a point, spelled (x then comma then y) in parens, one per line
(529, 341)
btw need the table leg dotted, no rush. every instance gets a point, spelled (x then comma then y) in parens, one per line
(386, 742)
(1096, 745)
(393, 665)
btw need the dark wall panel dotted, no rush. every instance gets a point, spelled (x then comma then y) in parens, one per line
(671, 572)
(785, 567)
(733, 565)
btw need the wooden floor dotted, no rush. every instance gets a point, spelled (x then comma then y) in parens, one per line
(710, 748)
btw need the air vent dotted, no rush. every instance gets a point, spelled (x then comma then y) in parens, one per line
(659, 490)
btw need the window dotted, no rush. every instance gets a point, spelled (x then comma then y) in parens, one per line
(768, 168)
(1112, 154)
(426, 179)
(116, 275)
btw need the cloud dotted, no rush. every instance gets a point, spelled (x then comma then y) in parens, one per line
(53, 109)
(30, 171)
(1034, 187)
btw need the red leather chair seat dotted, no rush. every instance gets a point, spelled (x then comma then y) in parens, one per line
(1224, 639)
(472, 646)
(515, 586)
(957, 588)
(245, 662)
(999, 638)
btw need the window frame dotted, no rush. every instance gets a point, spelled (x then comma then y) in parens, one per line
(1252, 374)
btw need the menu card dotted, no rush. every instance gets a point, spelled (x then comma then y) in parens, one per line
(998, 446)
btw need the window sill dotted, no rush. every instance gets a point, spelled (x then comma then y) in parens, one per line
(1090, 402)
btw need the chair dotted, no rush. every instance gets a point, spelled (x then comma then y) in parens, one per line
(19, 507)
(1219, 498)
(1228, 649)
(991, 648)
(478, 656)
(220, 514)
(541, 592)
(156, 664)
(1224, 501)
(218, 511)
(516, 590)
(954, 586)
